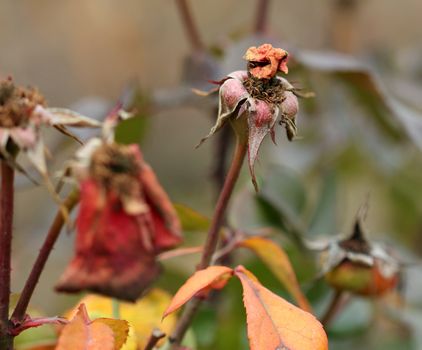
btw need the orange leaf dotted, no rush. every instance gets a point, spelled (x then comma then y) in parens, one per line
(101, 334)
(210, 277)
(273, 323)
(278, 262)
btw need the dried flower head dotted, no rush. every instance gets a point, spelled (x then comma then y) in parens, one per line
(23, 112)
(257, 97)
(265, 61)
(356, 265)
(125, 219)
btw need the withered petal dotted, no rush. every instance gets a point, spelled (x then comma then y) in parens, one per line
(64, 116)
(104, 275)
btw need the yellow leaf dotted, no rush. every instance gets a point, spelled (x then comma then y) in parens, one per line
(82, 334)
(143, 316)
(120, 330)
(274, 323)
(278, 262)
(199, 281)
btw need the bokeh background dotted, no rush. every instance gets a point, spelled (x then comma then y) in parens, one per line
(355, 141)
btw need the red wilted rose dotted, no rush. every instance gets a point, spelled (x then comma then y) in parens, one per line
(125, 219)
(359, 266)
(258, 97)
(265, 61)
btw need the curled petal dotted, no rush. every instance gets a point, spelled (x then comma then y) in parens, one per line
(63, 116)
(265, 61)
(231, 96)
(260, 124)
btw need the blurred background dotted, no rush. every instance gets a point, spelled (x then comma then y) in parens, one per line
(360, 136)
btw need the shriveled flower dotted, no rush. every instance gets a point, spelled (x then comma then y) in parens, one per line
(258, 97)
(358, 266)
(125, 219)
(265, 61)
(23, 112)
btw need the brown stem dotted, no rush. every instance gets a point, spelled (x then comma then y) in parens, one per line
(38, 267)
(344, 33)
(155, 337)
(262, 16)
(332, 308)
(212, 238)
(190, 27)
(6, 223)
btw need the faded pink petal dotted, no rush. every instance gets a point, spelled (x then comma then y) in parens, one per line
(290, 106)
(231, 95)
(24, 137)
(260, 124)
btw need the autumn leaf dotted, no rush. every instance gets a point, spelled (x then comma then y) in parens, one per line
(120, 330)
(143, 316)
(211, 277)
(83, 334)
(278, 262)
(274, 323)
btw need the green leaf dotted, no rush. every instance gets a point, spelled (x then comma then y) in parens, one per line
(190, 219)
(324, 217)
(284, 189)
(131, 130)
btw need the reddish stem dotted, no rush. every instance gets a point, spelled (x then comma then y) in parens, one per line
(212, 239)
(190, 26)
(333, 308)
(262, 16)
(20, 310)
(6, 223)
(155, 337)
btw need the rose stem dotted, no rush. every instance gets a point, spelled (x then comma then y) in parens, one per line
(6, 222)
(212, 238)
(261, 16)
(332, 308)
(38, 267)
(155, 337)
(190, 27)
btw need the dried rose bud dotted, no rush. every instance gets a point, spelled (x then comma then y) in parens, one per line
(257, 97)
(359, 266)
(125, 219)
(22, 114)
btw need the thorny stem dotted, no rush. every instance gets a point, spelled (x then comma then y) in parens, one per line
(38, 267)
(262, 16)
(190, 27)
(332, 308)
(212, 238)
(6, 223)
(155, 337)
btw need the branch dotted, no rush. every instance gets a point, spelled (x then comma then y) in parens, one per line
(38, 267)
(212, 239)
(155, 337)
(6, 223)
(190, 27)
(262, 16)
